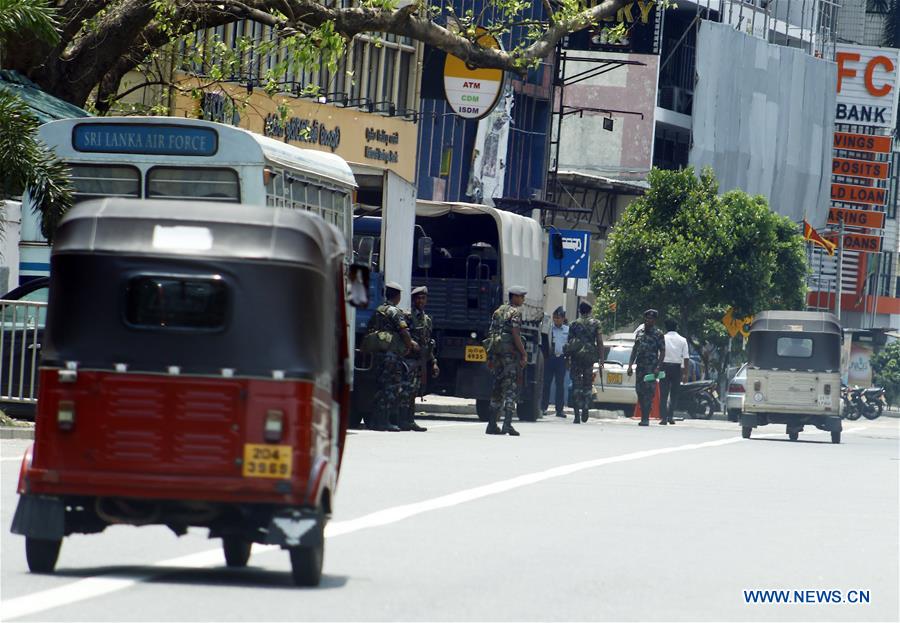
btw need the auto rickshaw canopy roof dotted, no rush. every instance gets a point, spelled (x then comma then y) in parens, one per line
(199, 229)
(800, 321)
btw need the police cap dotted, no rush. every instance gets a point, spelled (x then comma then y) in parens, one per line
(419, 290)
(518, 290)
(393, 285)
(559, 311)
(651, 313)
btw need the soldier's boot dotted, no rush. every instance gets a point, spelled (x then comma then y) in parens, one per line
(584, 414)
(507, 425)
(492, 428)
(577, 418)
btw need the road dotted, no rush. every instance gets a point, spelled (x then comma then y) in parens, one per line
(606, 521)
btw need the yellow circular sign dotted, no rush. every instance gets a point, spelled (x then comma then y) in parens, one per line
(472, 92)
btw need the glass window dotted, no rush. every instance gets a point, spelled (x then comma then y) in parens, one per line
(403, 85)
(794, 347)
(193, 183)
(177, 302)
(96, 181)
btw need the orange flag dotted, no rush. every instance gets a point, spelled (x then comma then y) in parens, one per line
(811, 235)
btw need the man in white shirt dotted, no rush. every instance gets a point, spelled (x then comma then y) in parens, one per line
(676, 366)
(555, 363)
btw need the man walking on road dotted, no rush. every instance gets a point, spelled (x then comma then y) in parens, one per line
(507, 359)
(648, 352)
(584, 350)
(389, 322)
(676, 365)
(418, 363)
(555, 363)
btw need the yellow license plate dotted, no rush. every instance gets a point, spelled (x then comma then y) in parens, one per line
(614, 378)
(266, 461)
(476, 353)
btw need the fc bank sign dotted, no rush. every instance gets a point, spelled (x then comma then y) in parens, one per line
(867, 85)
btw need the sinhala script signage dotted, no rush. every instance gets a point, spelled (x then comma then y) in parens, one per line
(867, 85)
(472, 93)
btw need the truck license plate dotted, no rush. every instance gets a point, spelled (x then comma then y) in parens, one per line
(614, 378)
(266, 461)
(476, 353)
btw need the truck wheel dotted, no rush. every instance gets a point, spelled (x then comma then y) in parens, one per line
(529, 410)
(41, 554)
(237, 551)
(483, 409)
(793, 435)
(745, 431)
(835, 436)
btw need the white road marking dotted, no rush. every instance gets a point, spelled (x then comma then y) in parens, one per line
(103, 585)
(11, 458)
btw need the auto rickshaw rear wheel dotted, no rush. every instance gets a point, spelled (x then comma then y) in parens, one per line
(835, 436)
(237, 551)
(306, 564)
(41, 554)
(745, 431)
(794, 435)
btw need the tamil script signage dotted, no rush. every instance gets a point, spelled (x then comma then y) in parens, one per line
(152, 139)
(382, 146)
(867, 85)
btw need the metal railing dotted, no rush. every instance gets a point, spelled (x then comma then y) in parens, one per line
(21, 331)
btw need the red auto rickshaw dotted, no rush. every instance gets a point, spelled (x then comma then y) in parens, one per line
(194, 373)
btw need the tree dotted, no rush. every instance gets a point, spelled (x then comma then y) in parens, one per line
(891, 11)
(88, 57)
(25, 162)
(886, 368)
(692, 254)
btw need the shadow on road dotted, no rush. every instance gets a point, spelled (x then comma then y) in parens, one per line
(248, 577)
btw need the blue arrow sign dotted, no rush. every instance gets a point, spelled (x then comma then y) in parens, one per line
(576, 255)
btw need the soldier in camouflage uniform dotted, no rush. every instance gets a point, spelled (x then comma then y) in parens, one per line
(507, 359)
(648, 352)
(420, 328)
(584, 349)
(388, 319)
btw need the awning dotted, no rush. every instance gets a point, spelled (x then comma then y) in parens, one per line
(45, 107)
(601, 182)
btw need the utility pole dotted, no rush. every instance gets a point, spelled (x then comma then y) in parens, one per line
(839, 288)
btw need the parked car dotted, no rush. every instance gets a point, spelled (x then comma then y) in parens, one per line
(21, 332)
(617, 389)
(737, 388)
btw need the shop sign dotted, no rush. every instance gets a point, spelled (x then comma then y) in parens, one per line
(473, 92)
(863, 243)
(848, 167)
(299, 130)
(856, 218)
(849, 193)
(867, 85)
(862, 142)
(382, 151)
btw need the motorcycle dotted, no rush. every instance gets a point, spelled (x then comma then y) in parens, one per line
(859, 402)
(699, 399)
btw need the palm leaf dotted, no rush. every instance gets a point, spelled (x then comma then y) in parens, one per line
(36, 17)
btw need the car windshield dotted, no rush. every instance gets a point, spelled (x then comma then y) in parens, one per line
(618, 354)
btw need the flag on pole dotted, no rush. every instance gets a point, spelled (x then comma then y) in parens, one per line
(811, 235)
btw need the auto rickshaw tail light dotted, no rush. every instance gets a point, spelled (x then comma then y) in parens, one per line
(65, 415)
(274, 425)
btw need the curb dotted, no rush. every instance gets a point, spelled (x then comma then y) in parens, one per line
(426, 407)
(16, 432)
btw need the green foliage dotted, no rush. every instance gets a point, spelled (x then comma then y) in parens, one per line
(33, 16)
(886, 367)
(27, 163)
(691, 253)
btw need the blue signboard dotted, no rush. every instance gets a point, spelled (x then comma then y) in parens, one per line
(576, 260)
(145, 138)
